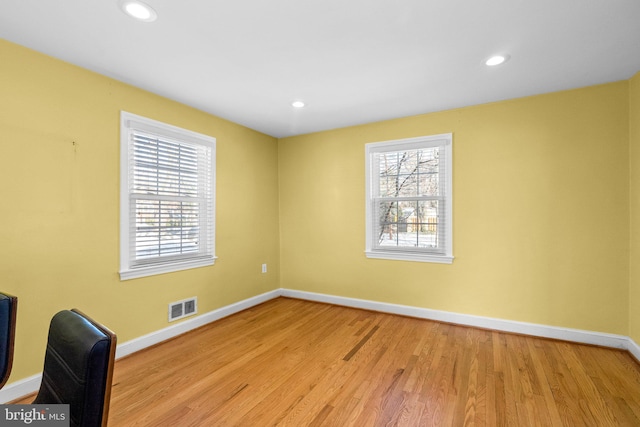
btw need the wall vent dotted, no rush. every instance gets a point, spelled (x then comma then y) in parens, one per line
(183, 308)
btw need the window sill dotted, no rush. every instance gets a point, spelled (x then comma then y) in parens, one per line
(410, 256)
(152, 270)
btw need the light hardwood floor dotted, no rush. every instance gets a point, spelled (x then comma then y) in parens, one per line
(299, 363)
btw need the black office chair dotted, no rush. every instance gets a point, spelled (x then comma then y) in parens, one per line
(78, 368)
(8, 309)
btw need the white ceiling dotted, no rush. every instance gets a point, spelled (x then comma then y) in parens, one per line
(351, 61)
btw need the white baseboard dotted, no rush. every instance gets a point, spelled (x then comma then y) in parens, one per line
(20, 388)
(31, 384)
(567, 334)
(634, 349)
(156, 337)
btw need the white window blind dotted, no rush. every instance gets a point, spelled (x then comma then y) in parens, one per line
(167, 218)
(409, 199)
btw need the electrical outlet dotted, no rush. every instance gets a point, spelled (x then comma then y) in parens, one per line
(264, 268)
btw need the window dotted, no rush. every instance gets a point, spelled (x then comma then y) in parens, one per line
(167, 198)
(408, 209)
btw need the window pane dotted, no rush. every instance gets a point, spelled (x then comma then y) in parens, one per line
(425, 223)
(165, 228)
(409, 173)
(163, 167)
(388, 223)
(408, 224)
(408, 161)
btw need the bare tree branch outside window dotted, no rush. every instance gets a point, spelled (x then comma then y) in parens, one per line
(408, 198)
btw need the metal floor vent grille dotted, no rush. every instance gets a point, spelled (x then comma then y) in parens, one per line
(184, 308)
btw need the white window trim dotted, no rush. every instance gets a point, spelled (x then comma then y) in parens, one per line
(127, 121)
(405, 254)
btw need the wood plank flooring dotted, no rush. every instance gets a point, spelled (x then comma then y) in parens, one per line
(297, 363)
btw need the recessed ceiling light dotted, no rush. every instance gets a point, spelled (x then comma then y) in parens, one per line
(297, 104)
(138, 10)
(497, 60)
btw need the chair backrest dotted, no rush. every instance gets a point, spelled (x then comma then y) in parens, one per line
(78, 368)
(8, 310)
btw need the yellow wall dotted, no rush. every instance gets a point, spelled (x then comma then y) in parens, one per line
(59, 222)
(541, 212)
(541, 208)
(634, 155)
